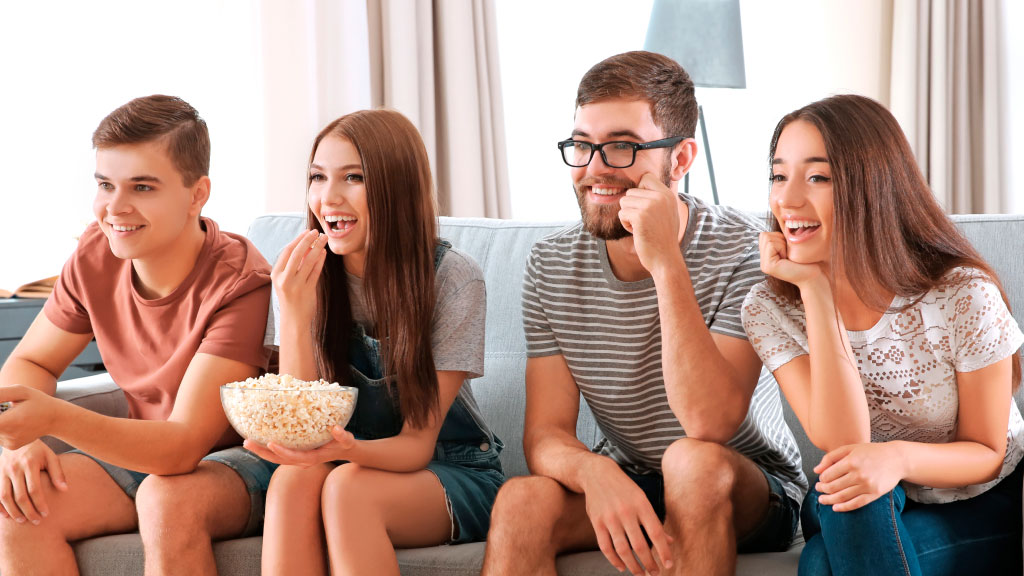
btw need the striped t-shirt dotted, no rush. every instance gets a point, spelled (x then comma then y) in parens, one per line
(609, 332)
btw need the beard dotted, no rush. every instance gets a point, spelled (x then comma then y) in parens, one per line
(602, 220)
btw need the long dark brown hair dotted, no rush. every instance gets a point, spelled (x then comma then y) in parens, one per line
(399, 273)
(889, 232)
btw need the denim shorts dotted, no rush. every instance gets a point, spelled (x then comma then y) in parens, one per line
(254, 471)
(774, 533)
(471, 476)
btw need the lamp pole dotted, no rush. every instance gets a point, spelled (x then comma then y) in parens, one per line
(705, 38)
(707, 154)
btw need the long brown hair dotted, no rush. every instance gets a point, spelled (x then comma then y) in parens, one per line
(889, 231)
(399, 273)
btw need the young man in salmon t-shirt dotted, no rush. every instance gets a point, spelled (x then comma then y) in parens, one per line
(177, 308)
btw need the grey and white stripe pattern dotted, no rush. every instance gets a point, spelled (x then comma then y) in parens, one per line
(609, 332)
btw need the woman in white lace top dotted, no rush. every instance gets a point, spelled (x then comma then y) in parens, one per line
(893, 342)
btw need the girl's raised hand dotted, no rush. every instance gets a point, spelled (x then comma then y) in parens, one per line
(775, 261)
(296, 273)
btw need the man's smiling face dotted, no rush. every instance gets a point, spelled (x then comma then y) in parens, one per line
(599, 187)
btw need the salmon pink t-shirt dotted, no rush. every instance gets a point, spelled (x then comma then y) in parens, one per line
(146, 345)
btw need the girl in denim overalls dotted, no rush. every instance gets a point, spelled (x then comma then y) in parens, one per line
(370, 297)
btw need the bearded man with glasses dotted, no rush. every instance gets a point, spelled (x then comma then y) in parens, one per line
(637, 309)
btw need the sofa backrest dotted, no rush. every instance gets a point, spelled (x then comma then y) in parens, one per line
(501, 247)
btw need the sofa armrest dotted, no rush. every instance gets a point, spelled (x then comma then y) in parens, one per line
(97, 393)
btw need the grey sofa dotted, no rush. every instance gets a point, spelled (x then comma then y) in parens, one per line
(500, 247)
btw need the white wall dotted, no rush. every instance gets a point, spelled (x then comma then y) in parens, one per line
(66, 65)
(267, 76)
(795, 52)
(545, 48)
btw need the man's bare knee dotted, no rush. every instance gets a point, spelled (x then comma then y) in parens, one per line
(533, 502)
(192, 503)
(160, 503)
(699, 470)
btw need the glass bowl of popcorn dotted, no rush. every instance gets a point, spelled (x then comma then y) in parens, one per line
(287, 411)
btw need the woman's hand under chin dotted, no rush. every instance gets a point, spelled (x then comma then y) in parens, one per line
(775, 263)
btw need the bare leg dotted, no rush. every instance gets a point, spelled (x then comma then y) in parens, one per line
(368, 513)
(293, 530)
(93, 505)
(712, 494)
(179, 516)
(534, 519)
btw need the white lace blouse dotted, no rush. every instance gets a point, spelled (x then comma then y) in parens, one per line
(908, 361)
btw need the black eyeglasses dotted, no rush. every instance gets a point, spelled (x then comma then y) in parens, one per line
(616, 154)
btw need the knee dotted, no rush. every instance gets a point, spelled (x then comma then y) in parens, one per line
(704, 470)
(345, 488)
(881, 509)
(163, 502)
(814, 558)
(291, 485)
(527, 501)
(14, 534)
(528, 514)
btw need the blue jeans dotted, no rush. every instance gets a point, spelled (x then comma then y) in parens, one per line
(893, 535)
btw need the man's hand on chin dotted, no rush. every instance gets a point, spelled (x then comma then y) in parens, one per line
(650, 212)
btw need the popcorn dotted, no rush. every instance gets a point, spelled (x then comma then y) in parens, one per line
(287, 411)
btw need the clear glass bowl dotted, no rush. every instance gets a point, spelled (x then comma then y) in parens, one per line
(295, 418)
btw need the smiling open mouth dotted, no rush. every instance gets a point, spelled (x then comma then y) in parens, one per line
(797, 229)
(602, 191)
(340, 223)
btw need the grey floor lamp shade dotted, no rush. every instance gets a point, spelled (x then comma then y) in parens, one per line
(705, 37)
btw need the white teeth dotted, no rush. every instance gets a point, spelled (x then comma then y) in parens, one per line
(605, 191)
(125, 228)
(336, 218)
(791, 224)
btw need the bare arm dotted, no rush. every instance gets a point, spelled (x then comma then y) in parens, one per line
(42, 355)
(413, 448)
(549, 438)
(174, 446)
(709, 378)
(825, 388)
(977, 454)
(856, 474)
(616, 506)
(161, 447)
(295, 277)
(408, 451)
(295, 355)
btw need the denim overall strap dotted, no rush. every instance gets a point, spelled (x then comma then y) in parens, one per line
(378, 413)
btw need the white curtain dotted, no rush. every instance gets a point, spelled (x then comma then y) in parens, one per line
(945, 91)
(315, 65)
(437, 62)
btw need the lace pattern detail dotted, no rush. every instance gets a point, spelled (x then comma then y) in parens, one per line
(908, 361)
